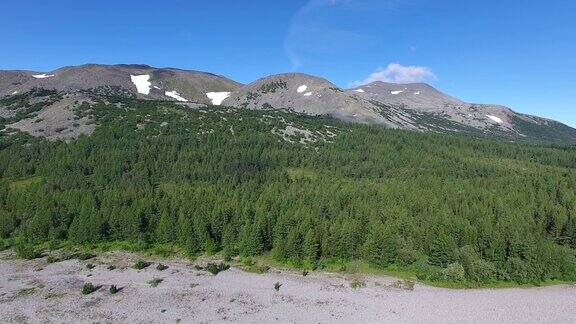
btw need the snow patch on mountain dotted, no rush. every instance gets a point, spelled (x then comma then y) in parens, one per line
(417, 92)
(15, 92)
(302, 88)
(42, 76)
(307, 94)
(396, 92)
(360, 90)
(217, 97)
(496, 119)
(142, 83)
(175, 95)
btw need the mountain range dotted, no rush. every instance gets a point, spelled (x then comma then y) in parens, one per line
(43, 103)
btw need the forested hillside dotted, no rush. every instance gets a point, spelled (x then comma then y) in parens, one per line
(309, 190)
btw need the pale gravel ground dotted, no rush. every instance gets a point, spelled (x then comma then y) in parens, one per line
(236, 296)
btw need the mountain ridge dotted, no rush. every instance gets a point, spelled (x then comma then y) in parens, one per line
(414, 106)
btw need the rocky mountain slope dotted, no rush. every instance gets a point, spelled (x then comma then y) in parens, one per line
(45, 103)
(306, 94)
(42, 103)
(488, 119)
(407, 106)
(131, 80)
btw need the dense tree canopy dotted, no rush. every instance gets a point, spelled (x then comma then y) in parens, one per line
(224, 180)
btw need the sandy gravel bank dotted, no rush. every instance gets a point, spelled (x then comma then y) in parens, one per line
(38, 291)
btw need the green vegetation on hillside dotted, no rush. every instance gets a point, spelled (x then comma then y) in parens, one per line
(443, 207)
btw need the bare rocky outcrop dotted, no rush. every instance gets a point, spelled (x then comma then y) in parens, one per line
(57, 121)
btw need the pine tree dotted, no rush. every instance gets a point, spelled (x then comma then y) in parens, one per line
(310, 249)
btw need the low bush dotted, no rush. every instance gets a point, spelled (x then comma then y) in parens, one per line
(454, 272)
(357, 283)
(277, 286)
(214, 268)
(140, 264)
(89, 288)
(161, 267)
(26, 251)
(113, 289)
(90, 266)
(52, 259)
(85, 256)
(406, 257)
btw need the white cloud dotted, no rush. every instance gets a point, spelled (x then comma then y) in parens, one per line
(397, 73)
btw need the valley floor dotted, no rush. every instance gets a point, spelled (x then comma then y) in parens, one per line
(38, 291)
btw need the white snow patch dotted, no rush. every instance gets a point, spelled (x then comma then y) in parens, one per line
(156, 87)
(15, 92)
(307, 94)
(217, 97)
(396, 92)
(496, 119)
(142, 83)
(417, 92)
(302, 88)
(175, 95)
(359, 90)
(42, 76)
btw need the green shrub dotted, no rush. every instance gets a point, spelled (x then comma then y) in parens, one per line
(89, 288)
(248, 261)
(85, 256)
(161, 267)
(4, 245)
(519, 270)
(111, 267)
(454, 272)
(214, 268)
(113, 289)
(357, 283)
(26, 251)
(90, 266)
(481, 271)
(52, 259)
(140, 264)
(406, 257)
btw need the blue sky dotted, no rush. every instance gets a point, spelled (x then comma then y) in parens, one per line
(518, 53)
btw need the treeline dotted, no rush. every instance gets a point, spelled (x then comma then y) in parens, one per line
(446, 207)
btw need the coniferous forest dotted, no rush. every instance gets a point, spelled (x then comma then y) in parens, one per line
(243, 183)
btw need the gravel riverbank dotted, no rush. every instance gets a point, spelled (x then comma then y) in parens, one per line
(38, 291)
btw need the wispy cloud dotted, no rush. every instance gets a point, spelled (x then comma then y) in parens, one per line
(397, 73)
(310, 37)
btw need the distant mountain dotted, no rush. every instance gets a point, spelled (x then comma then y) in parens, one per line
(415, 106)
(418, 106)
(139, 80)
(488, 119)
(306, 94)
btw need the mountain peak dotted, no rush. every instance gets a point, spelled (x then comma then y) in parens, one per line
(416, 106)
